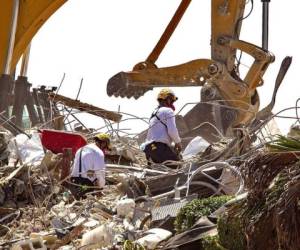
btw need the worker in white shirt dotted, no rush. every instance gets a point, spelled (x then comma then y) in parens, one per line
(162, 132)
(88, 170)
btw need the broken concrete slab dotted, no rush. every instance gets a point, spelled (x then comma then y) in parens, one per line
(113, 116)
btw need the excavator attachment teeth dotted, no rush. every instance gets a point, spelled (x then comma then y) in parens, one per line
(135, 83)
(118, 86)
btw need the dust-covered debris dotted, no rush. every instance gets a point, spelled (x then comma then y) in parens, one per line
(138, 206)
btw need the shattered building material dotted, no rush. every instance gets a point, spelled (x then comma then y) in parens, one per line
(69, 237)
(136, 180)
(153, 237)
(4, 153)
(48, 239)
(125, 208)
(41, 110)
(33, 115)
(33, 244)
(10, 126)
(21, 94)
(99, 237)
(113, 116)
(294, 131)
(58, 122)
(191, 239)
(169, 181)
(90, 207)
(38, 105)
(43, 100)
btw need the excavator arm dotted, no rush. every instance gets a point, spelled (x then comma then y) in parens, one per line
(229, 101)
(28, 16)
(226, 21)
(193, 73)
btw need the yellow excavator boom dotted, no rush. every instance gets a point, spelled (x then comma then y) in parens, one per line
(31, 15)
(232, 101)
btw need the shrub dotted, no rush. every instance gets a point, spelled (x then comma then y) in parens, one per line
(197, 208)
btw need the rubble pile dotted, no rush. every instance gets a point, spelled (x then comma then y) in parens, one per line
(221, 196)
(221, 176)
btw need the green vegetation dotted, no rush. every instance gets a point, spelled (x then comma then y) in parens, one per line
(129, 245)
(254, 219)
(197, 208)
(231, 232)
(211, 243)
(282, 143)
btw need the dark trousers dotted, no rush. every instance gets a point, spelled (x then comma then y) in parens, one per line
(80, 186)
(160, 152)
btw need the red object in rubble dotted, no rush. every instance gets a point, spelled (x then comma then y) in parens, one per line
(56, 141)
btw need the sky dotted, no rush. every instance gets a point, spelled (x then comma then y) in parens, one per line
(95, 39)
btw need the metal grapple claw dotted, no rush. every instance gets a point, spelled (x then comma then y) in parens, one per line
(118, 86)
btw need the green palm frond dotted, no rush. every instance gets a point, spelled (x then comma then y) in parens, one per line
(282, 143)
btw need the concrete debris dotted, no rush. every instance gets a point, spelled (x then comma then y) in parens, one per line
(48, 239)
(153, 237)
(99, 237)
(295, 131)
(4, 139)
(219, 176)
(140, 203)
(125, 208)
(31, 244)
(85, 107)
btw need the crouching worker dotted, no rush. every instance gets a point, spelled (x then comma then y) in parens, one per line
(163, 132)
(88, 170)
